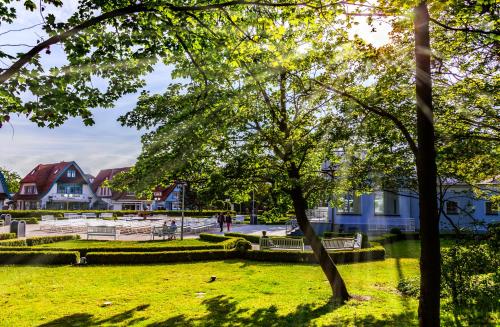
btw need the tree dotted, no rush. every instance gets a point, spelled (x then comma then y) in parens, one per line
(249, 113)
(12, 179)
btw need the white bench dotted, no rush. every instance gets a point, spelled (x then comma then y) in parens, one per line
(162, 231)
(101, 231)
(89, 215)
(239, 219)
(266, 243)
(106, 215)
(343, 243)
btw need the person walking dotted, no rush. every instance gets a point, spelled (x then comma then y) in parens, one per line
(229, 221)
(220, 220)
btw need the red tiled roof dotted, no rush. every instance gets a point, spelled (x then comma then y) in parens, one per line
(108, 174)
(43, 176)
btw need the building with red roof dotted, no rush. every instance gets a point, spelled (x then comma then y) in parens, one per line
(55, 186)
(167, 198)
(116, 200)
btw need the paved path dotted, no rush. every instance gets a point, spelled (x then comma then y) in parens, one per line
(272, 230)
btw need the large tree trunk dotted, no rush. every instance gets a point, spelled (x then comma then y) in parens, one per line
(337, 284)
(430, 269)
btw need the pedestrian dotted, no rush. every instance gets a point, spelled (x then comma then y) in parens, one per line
(229, 220)
(220, 220)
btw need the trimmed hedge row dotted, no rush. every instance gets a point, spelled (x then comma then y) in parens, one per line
(7, 236)
(126, 258)
(391, 238)
(131, 258)
(38, 240)
(250, 238)
(39, 258)
(362, 255)
(118, 213)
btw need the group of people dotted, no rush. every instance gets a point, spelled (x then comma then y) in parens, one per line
(224, 217)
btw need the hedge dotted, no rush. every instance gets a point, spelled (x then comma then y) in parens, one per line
(39, 258)
(27, 220)
(130, 258)
(362, 255)
(38, 240)
(7, 236)
(250, 238)
(118, 213)
(391, 238)
(121, 258)
(364, 241)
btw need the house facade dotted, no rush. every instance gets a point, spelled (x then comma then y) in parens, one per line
(56, 186)
(382, 210)
(114, 200)
(167, 198)
(4, 191)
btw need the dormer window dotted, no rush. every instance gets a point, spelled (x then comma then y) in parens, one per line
(29, 189)
(71, 173)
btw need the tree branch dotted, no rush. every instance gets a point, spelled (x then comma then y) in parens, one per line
(464, 29)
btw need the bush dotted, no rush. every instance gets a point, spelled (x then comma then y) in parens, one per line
(251, 238)
(471, 279)
(243, 245)
(395, 231)
(129, 258)
(28, 221)
(39, 258)
(118, 213)
(409, 286)
(363, 255)
(38, 240)
(364, 240)
(213, 237)
(7, 236)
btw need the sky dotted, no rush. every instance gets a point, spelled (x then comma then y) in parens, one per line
(104, 145)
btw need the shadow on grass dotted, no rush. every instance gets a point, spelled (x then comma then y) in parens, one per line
(85, 319)
(224, 311)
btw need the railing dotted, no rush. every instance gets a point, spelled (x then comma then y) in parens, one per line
(385, 224)
(319, 214)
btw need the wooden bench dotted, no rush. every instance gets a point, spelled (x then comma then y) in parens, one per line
(266, 243)
(162, 231)
(101, 231)
(343, 243)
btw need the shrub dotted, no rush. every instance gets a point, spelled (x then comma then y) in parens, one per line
(243, 245)
(251, 238)
(363, 255)
(28, 220)
(38, 240)
(129, 258)
(395, 231)
(471, 279)
(364, 240)
(39, 258)
(409, 286)
(118, 213)
(213, 237)
(7, 236)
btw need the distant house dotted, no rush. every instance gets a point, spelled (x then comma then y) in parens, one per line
(56, 186)
(114, 200)
(167, 198)
(4, 191)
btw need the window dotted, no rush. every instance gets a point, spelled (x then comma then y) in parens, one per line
(350, 204)
(492, 209)
(71, 173)
(452, 207)
(69, 188)
(29, 189)
(387, 203)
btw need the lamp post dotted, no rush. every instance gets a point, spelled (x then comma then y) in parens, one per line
(182, 218)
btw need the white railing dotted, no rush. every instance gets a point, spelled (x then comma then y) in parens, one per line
(319, 214)
(385, 224)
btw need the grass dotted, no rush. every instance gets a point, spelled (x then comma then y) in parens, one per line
(78, 244)
(408, 249)
(245, 293)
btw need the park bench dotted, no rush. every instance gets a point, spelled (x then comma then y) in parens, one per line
(266, 243)
(101, 231)
(239, 219)
(162, 231)
(342, 243)
(106, 215)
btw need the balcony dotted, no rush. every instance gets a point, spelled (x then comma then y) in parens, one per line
(66, 197)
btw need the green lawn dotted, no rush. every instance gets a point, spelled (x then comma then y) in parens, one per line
(77, 244)
(245, 293)
(409, 249)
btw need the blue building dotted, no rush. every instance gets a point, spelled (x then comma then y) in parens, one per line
(4, 191)
(380, 211)
(167, 198)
